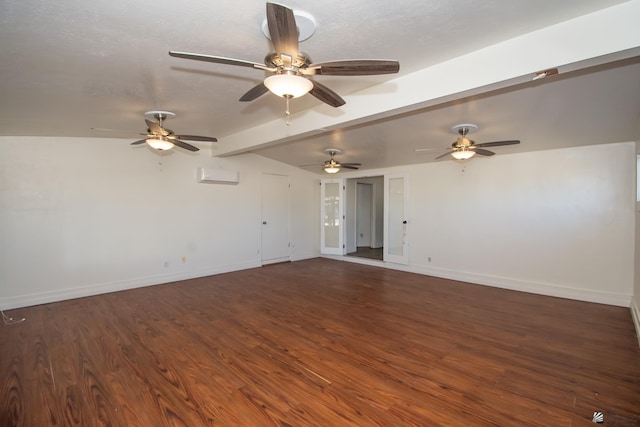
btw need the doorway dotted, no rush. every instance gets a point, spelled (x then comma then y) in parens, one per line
(389, 222)
(364, 217)
(364, 213)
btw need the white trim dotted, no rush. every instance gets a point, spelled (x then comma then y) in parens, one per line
(103, 288)
(547, 289)
(295, 258)
(276, 260)
(635, 315)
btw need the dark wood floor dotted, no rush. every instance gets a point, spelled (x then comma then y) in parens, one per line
(365, 252)
(319, 343)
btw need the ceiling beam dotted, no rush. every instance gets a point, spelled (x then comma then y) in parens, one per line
(593, 39)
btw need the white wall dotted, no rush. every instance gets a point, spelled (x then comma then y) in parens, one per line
(635, 303)
(85, 216)
(557, 222)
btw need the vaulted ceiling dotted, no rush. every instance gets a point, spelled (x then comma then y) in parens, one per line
(92, 69)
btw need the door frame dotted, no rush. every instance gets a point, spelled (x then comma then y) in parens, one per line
(402, 258)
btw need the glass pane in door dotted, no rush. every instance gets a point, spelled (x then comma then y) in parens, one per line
(396, 248)
(332, 217)
(331, 220)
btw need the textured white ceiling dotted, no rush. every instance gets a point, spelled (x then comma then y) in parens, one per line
(69, 66)
(597, 107)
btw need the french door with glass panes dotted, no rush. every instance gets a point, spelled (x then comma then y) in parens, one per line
(396, 223)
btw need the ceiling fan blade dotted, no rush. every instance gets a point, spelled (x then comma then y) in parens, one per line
(218, 60)
(254, 92)
(156, 129)
(351, 164)
(326, 95)
(184, 145)
(442, 155)
(354, 67)
(282, 29)
(141, 141)
(197, 138)
(497, 143)
(347, 166)
(484, 152)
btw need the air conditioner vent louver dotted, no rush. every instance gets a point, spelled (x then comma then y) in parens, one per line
(217, 176)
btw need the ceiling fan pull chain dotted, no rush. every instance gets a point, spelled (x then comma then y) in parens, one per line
(287, 112)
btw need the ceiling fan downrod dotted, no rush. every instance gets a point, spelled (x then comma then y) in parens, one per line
(160, 117)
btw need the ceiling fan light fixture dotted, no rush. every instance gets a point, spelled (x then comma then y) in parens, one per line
(332, 169)
(288, 85)
(463, 154)
(159, 143)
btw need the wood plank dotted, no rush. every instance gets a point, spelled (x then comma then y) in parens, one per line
(319, 342)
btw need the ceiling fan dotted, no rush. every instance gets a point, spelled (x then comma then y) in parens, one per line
(332, 165)
(161, 138)
(464, 148)
(290, 68)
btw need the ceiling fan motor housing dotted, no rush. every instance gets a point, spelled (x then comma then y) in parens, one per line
(274, 60)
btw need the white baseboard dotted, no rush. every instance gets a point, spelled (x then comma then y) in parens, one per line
(635, 315)
(275, 260)
(103, 288)
(547, 289)
(302, 257)
(499, 282)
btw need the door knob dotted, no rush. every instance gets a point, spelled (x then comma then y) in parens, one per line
(264, 222)
(404, 222)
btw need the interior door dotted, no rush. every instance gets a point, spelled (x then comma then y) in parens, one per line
(332, 217)
(396, 223)
(275, 219)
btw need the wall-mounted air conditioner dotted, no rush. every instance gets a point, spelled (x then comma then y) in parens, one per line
(217, 176)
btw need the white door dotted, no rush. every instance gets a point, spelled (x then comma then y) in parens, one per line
(275, 218)
(332, 217)
(396, 222)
